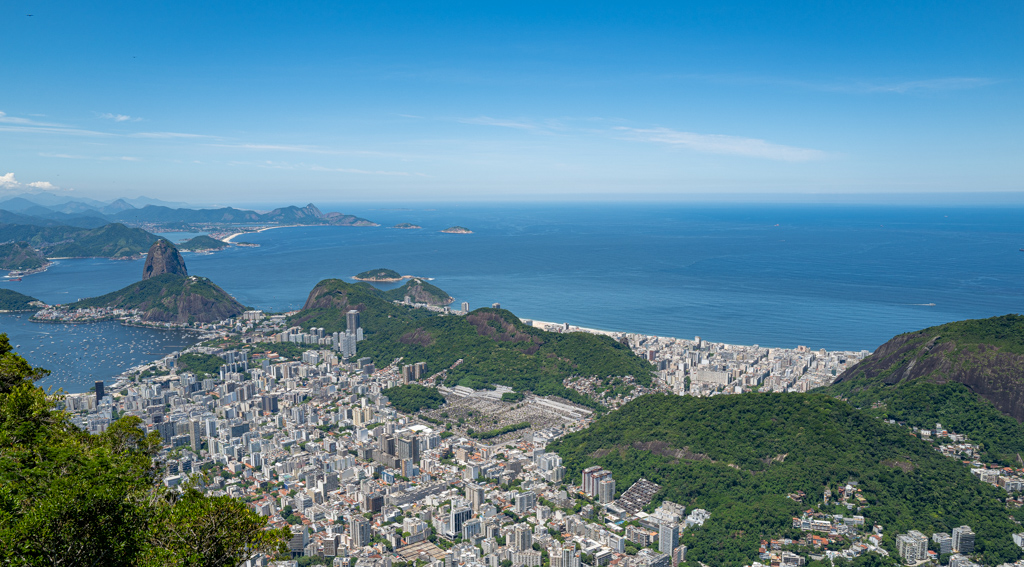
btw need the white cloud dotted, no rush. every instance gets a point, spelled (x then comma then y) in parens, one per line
(118, 117)
(8, 181)
(721, 144)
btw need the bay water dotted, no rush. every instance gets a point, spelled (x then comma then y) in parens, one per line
(824, 276)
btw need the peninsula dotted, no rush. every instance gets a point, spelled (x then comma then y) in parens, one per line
(21, 256)
(166, 295)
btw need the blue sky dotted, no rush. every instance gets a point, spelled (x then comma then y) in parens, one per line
(226, 102)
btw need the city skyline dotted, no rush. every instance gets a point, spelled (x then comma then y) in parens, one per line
(241, 104)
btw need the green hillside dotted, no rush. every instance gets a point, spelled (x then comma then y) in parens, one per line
(331, 299)
(11, 300)
(411, 398)
(108, 241)
(497, 348)
(171, 298)
(202, 242)
(71, 498)
(494, 345)
(739, 456)
(420, 291)
(20, 256)
(966, 375)
(380, 274)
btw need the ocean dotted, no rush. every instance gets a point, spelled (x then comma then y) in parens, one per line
(824, 276)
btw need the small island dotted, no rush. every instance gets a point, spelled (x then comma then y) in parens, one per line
(406, 226)
(380, 275)
(457, 230)
(202, 243)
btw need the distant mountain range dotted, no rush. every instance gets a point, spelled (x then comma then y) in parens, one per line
(49, 210)
(57, 228)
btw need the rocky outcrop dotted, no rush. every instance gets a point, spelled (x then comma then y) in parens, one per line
(421, 292)
(163, 258)
(993, 372)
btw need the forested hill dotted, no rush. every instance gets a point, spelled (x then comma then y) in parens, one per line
(966, 375)
(494, 345)
(108, 241)
(11, 300)
(419, 291)
(330, 299)
(739, 457)
(171, 298)
(20, 256)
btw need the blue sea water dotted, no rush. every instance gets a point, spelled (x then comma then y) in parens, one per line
(825, 276)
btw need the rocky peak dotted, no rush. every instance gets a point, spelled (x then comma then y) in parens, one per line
(163, 258)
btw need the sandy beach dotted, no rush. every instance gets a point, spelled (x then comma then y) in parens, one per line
(573, 328)
(232, 237)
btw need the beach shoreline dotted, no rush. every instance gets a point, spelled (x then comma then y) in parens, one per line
(231, 237)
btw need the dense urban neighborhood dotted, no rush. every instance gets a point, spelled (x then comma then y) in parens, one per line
(375, 467)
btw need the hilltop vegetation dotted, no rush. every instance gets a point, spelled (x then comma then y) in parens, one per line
(497, 348)
(202, 242)
(419, 291)
(204, 365)
(171, 298)
(411, 398)
(379, 275)
(331, 299)
(71, 498)
(11, 300)
(494, 345)
(967, 375)
(20, 256)
(739, 456)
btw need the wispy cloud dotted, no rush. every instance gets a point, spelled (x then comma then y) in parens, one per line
(903, 87)
(368, 172)
(488, 121)
(308, 150)
(854, 86)
(169, 135)
(6, 119)
(98, 158)
(314, 167)
(721, 144)
(118, 117)
(278, 148)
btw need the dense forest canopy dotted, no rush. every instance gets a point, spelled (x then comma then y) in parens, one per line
(71, 498)
(740, 456)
